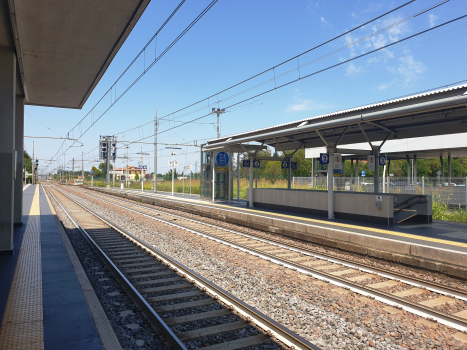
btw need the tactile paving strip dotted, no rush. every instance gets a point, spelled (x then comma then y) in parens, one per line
(106, 334)
(22, 326)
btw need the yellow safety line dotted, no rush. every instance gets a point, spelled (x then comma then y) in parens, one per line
(22, 326)
(369, 229)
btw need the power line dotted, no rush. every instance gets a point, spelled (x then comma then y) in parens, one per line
(317, 72)
(94, 121)
(302, 66)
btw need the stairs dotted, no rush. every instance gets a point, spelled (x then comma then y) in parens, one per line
(402, 211)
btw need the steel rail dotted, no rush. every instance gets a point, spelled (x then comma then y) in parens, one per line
(413, 307)
(272, 327)
(155, 320)
(411, 280)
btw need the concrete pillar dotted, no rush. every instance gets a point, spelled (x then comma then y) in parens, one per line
(376, 177)
(7, 148)
(415, 170)
(19, 137)
(449, 168)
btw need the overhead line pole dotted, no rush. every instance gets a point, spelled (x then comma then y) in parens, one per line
(155, 151)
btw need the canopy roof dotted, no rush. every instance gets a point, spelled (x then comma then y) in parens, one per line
(434, 113)
(64, 47)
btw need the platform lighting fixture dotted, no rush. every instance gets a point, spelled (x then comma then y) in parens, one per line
(218, 112)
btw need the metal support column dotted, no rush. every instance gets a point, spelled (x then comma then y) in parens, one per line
(82, 166)
(351, 170)
(230, 175)
(251, 190)
(415, 170)
(7, 148)
(442, 169)
(289, 173)
(376, 177)
(238, 176)
(19, 147)
(449, 169)
(356, 168)
(331, 184)
(408, 170)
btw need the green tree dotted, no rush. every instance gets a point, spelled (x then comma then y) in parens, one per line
(136, 177)
(103, 168)
(96, 171)
(27, 162)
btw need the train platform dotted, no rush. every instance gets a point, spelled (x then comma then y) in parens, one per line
(439, 246)
(45, 296)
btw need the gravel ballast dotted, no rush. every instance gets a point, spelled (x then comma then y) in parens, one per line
(328, 316)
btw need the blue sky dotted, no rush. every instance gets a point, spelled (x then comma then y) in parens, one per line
(238, 39)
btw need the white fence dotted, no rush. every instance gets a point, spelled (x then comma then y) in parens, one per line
(453, 193)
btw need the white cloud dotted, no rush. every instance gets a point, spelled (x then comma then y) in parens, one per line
(410, 69)
(323, 20)
(432, 19)
(383, 86)
(353, 68)
(306, 105)
(354, 15)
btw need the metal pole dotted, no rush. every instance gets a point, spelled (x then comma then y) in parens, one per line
(331, 186)
(251, 181)
(92, 180)
(114, 175)
(230, 176)
(449, 169)
(173, 167)
(312, 173)
(142, 166)
(213, 164)
(126, 177)
(191, 174)
(442, 169)
(107, 175)
(218, 126)
(408, 170)
(376, 177)
(82, 166)
(238, 176)
(423, 184)
(414, 170)
(73, 175)
(184, 184)
(466, 193)
(289, 177)
(32, 180)
(155, 150)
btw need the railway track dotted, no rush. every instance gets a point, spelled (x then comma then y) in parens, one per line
(415, 295)
(189, 311)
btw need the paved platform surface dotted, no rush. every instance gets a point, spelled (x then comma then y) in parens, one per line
(42, 305)
(440, 234)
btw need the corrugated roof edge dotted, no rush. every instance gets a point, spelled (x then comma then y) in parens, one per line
(386, 102)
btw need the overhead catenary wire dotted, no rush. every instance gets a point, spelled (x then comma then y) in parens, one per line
(94, 121)
(356, 42)
(317, 72)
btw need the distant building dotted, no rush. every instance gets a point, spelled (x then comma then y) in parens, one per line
(132, 171)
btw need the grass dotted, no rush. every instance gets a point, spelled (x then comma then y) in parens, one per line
(440, 209)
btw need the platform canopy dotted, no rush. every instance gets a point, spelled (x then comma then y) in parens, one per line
(64, 47)
(432, 113)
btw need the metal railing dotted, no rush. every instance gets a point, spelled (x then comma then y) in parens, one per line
(453, 192)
